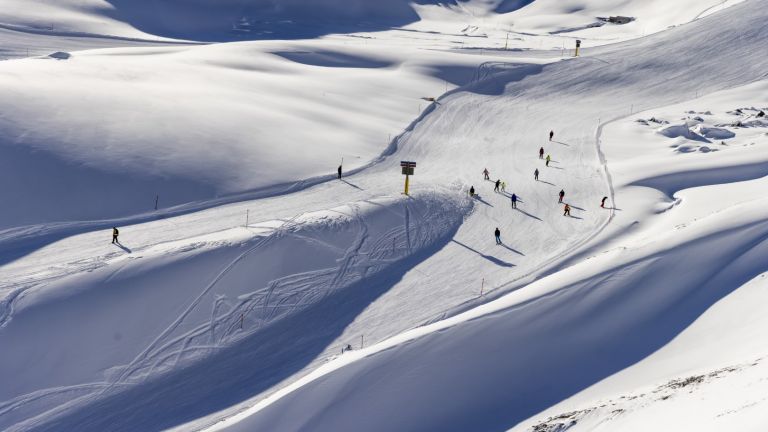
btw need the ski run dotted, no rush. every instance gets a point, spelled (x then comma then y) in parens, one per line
(582, 245)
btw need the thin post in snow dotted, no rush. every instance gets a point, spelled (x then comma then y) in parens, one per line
(241, 321)
(247, 211)
(157, 198)
(482, 286)
(362, 342)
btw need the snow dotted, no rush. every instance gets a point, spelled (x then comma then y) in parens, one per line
(229, 306)
(487, 370)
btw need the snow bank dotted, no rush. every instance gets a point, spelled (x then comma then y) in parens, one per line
(191, 124)
(679, 130)
(713, 132)
(190, 302)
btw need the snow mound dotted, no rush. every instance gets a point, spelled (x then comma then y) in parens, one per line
(679, 130)
(713, 132)
(213, 300)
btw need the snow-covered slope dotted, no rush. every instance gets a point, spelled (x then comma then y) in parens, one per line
(237, 19)
(193, 318)
(487, 371)
(712, 375)
(120, 128)
(205, 295)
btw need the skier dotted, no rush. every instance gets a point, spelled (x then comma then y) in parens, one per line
(602, 203)
(551, 134)
(496, 188)
(541, 153)
(115, 233)
(536, 174)
(548, 159)
(497, 233)
(567, 210)
(472, 191)
(485, 174)
(503, 186)
(339, 171)
(761, 114)
(562, 195)
(514, 201)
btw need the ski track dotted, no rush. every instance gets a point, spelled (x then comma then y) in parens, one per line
(161, 354)
(148, 351)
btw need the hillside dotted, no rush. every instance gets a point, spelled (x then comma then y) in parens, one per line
(264, 293)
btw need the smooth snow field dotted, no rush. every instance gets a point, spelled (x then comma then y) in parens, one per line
(253, 290)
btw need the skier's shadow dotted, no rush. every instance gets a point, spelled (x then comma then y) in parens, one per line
(565, 144)
(526, 213)
(477, 197)
(352, 184)
(120, 245)
(488, 257)
(576, 207)
(513, 250)
(544, 181)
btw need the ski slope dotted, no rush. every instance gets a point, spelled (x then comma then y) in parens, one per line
(711, 375)
(504, 362)
(123, 128)
(198, 316)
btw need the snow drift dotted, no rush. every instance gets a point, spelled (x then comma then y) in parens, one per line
(198, 301)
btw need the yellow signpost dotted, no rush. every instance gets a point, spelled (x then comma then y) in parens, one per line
(407, 169)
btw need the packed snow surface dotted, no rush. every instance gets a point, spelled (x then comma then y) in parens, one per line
(252, 290)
